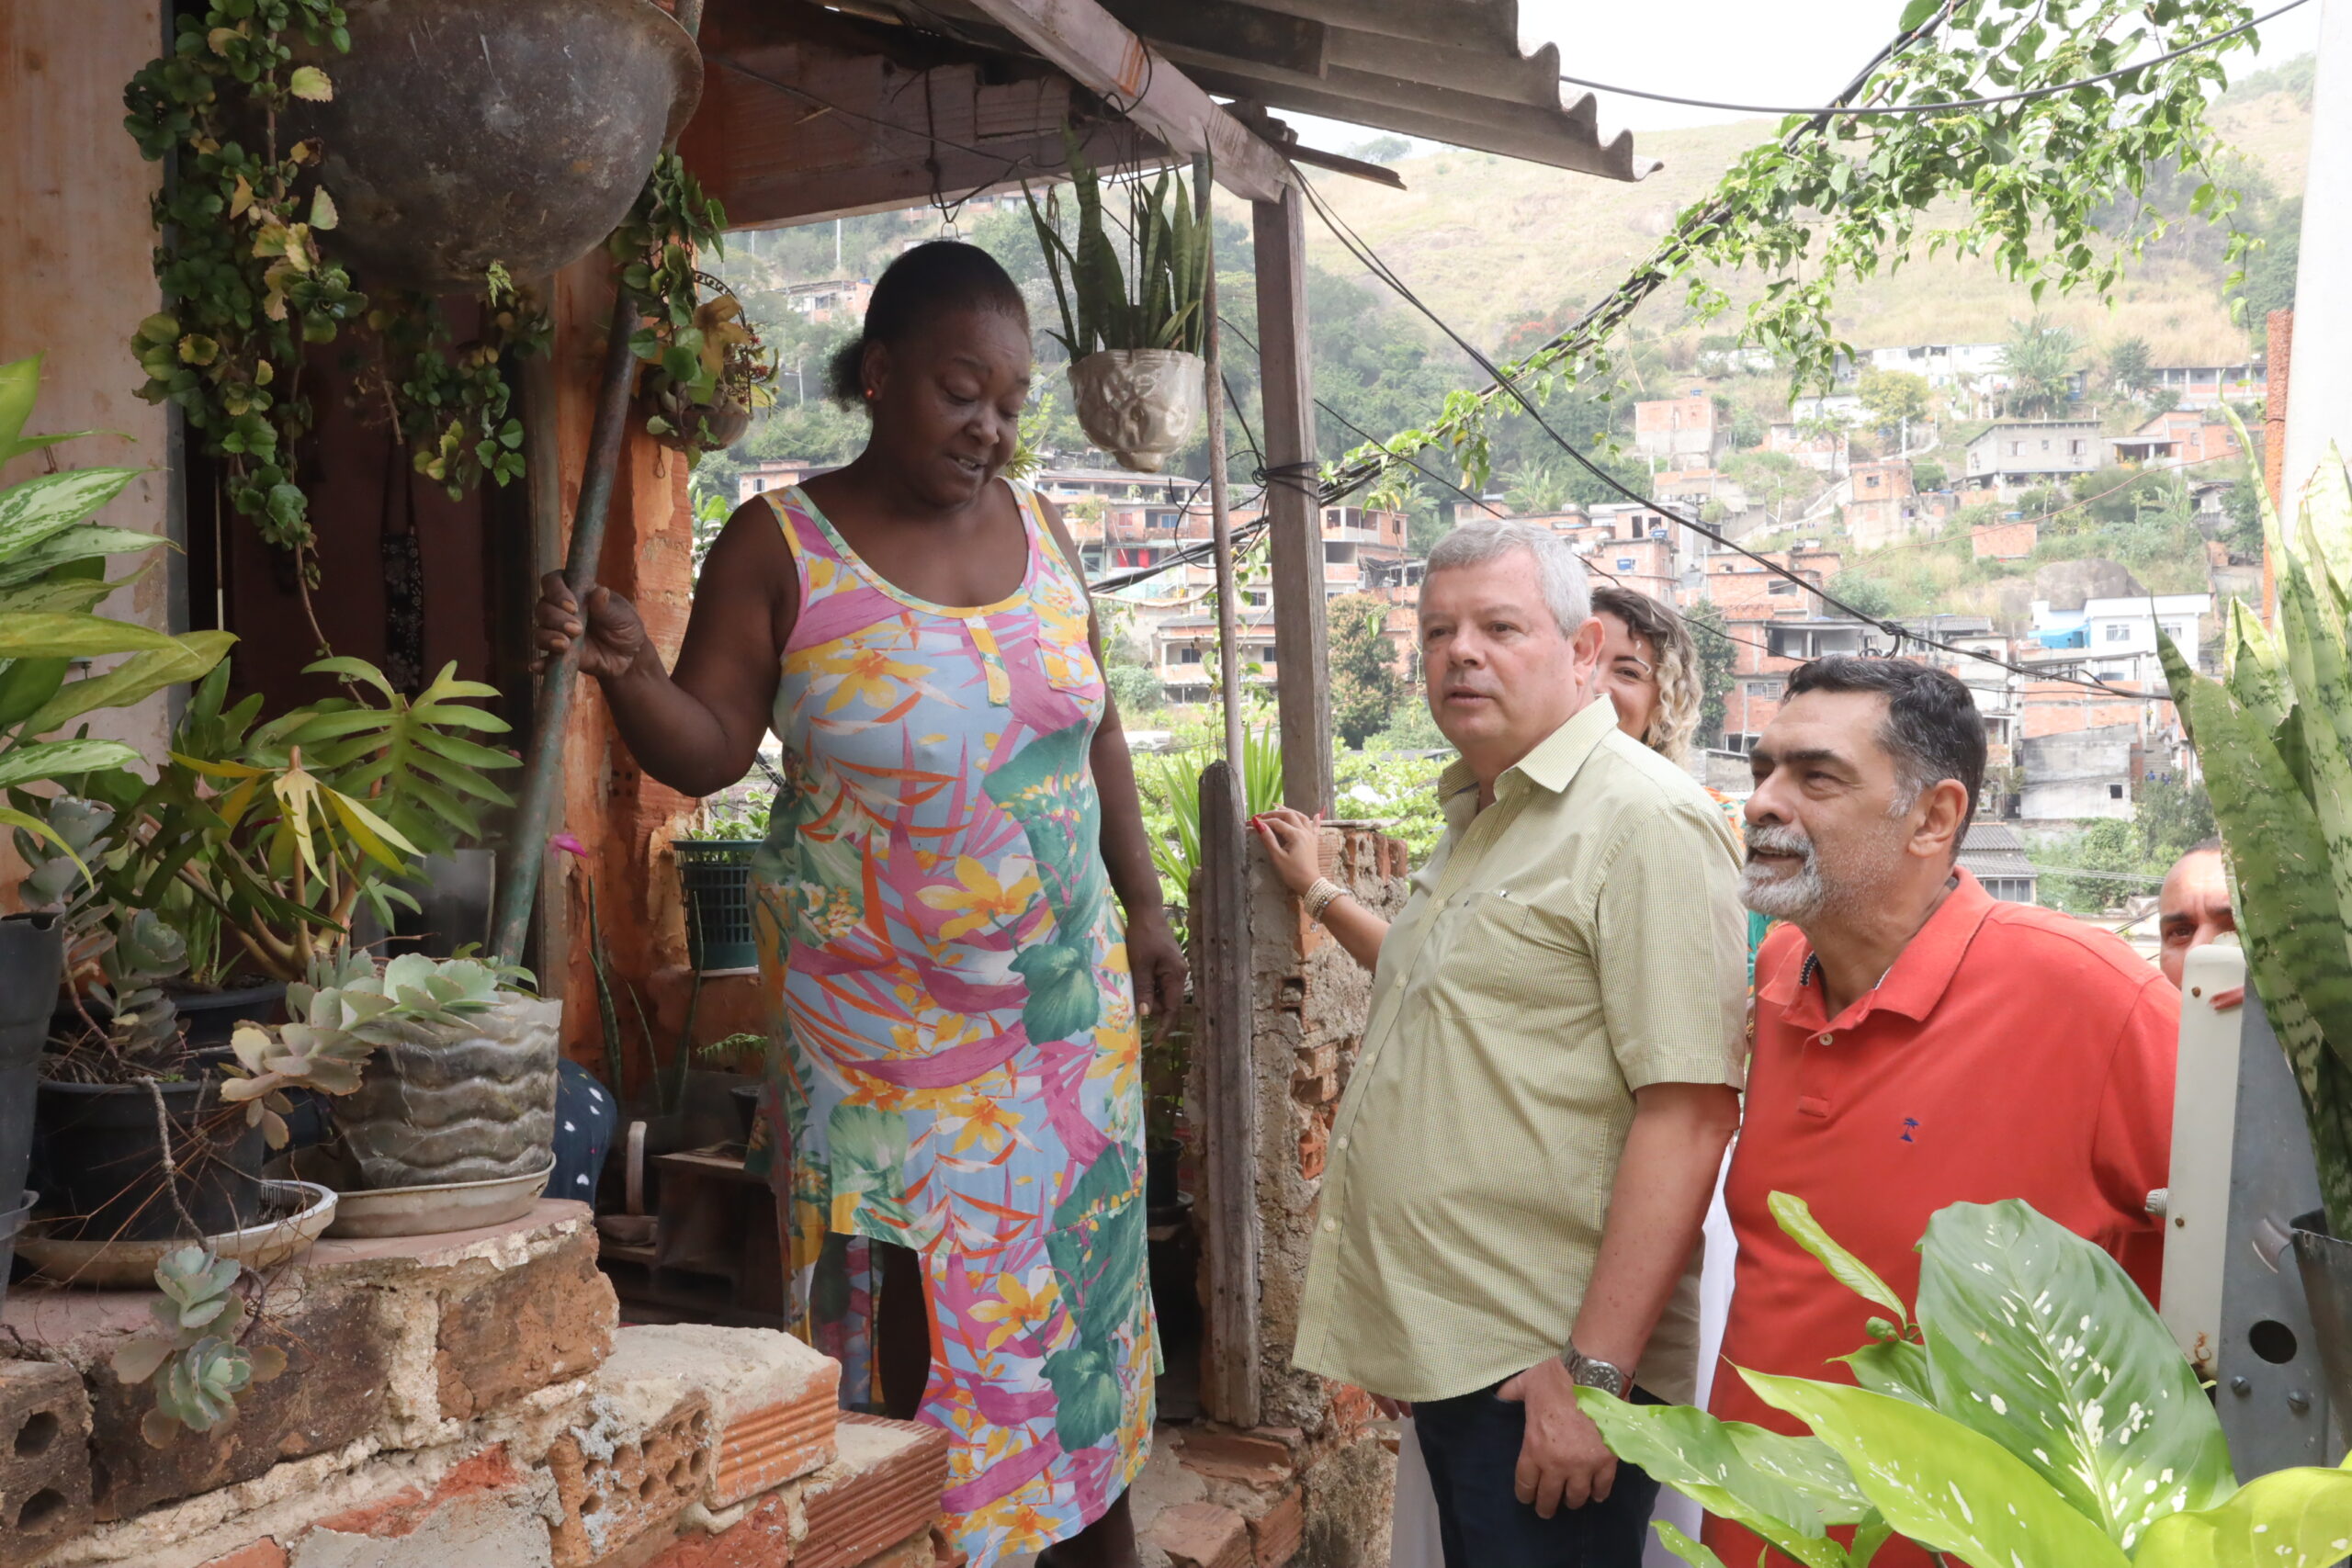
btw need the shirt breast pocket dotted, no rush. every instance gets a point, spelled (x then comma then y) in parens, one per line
(1490, 955)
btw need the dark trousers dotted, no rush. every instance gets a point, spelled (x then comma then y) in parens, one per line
(1471, 1446)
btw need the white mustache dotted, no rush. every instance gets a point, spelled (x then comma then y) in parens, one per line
(1778, 839)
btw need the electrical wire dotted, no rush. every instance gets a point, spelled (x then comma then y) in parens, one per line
(1355, 246)
(1840, 111)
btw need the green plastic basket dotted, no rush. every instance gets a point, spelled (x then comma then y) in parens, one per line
(716, 876)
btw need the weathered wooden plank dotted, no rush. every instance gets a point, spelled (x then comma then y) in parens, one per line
(1294, 518)
(1220, 919)
(1109, 61)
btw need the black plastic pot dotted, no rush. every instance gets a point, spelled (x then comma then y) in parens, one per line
(209, 1017)
(97, 1152)
(32, 962)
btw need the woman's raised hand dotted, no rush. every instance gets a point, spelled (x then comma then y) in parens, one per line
(615, 640)
(1294, 843)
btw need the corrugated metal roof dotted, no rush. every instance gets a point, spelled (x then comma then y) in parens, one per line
(1448, 71)
(1994, 849)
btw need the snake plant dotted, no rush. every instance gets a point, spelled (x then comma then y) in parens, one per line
(1155, 301)
(2274, 736)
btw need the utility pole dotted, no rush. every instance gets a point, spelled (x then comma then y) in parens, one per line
(2319, 396)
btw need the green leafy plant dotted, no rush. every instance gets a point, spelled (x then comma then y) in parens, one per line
(1172, 784)
(2274, 737)
(1154, 301)
(250, 280)
(2036, 1414)
(275, 832)
(52, 576)
(347, 1008)
(194, 1360)
(2049, 188)
(703, 369)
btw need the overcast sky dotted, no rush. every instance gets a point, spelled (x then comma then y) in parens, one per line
(1757, 51)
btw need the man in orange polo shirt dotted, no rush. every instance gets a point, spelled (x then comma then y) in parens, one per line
(1917, 1044)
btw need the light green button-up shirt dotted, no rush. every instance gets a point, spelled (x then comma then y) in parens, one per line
(1578, 940)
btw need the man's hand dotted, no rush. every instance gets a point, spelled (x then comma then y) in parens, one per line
(1562, 1458)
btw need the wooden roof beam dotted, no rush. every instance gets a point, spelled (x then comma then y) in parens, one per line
(1101, 54)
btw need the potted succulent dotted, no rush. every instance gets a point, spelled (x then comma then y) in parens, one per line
(2031, 1411)
(440, 1074)
(2274, 739)
(52, 576)
(1133, 334)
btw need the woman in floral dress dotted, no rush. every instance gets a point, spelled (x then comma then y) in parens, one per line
(955, 1093)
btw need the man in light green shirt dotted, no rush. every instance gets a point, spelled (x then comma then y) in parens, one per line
(1524, 1155)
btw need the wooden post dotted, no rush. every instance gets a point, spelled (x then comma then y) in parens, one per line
(1293, 517)
(1228, 643)
(1229, 1092)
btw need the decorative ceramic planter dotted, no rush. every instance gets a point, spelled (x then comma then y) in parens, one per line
(1141, 405)
(464, 132)
(474, 1108)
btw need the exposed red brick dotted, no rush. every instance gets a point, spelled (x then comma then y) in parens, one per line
(883, 1488)
(613, 1492)
(44, 1458)
(766, 1448)
(1315, 1089)
(1314, 1148)
(1202, 1535)
(1253, 1460)
(945, 1553)
(761, 1539)
(544, 1321)
(1314, 1061)
(1351, 1410)
(1274, 1535)
(489, 1471)
(915, 1551)
(262, 1553)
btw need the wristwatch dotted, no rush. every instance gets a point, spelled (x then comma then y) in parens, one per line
(1589, 1371)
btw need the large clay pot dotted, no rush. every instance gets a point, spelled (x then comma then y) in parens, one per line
(1141, 405)
(472, 1109)
(464, 132)
(32, 960)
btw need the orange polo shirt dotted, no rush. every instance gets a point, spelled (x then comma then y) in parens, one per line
(2010, 1053)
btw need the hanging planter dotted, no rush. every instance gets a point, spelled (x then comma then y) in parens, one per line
(1133, 330)
(466, 132)
(1141, 405)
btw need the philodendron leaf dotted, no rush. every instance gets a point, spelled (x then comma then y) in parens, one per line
(2039, 1340)
(1795, 1216)
(1682, 1546)
(1947, 1488)
(2290, 1518)
(1786, 1490)
(1894, 1367)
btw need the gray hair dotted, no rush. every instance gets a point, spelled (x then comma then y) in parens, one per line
(1557, 571)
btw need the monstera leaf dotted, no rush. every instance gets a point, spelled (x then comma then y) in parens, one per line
(1086, 1396)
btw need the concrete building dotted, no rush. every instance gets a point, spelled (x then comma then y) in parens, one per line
(1884, 508)
(2020, 454)
(1823, 454)
(2011, 539)
(2211, 385)
(2075, 774)
(2177, 436)
(1680, 432)
(830, 298)
(2114, 639)
(1994, 855)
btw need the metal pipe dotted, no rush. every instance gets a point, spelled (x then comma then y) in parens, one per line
(543, 775)
(1228, 652)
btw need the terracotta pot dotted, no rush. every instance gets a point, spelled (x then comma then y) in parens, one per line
(471, 1109)
(464, 132)
(1141, 405)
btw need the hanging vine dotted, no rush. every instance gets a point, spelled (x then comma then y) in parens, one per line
(703, 368)
(250, 280)
(2048, 187)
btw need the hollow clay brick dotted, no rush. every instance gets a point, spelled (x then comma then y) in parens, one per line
(773, 1400)
(883, 1488)
(1274, 1535)
(614, 1487)
(44, 1458)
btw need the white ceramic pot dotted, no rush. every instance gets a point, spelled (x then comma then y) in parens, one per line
(1141, 405)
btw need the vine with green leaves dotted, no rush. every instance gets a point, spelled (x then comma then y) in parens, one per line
(701, 357)
(250, 281)
(1835, 199)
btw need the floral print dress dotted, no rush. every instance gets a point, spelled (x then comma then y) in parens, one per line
(955, 1063)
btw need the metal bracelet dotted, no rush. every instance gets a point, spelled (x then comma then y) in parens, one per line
(1320, 898)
